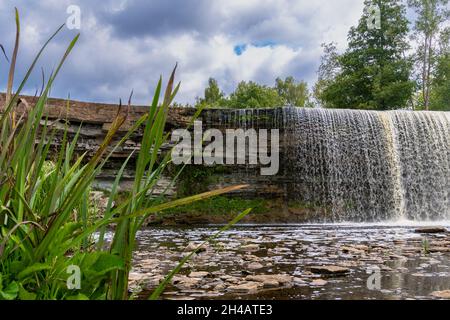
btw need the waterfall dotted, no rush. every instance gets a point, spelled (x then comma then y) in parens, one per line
(368, 165)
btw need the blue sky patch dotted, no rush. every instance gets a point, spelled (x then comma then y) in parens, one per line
(239, 49)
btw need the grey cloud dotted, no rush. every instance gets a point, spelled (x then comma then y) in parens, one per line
(158, 18)
(128, 47)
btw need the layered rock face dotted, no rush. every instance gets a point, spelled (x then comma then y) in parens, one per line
(343, 165)
(95, 119)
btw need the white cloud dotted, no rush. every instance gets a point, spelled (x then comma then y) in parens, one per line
(106, 64)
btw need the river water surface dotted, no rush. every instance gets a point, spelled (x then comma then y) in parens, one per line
(377, 261)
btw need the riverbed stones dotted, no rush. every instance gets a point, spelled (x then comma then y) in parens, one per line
(329, 270)
(287, 267)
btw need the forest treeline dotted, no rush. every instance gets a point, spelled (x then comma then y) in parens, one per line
(389, 63)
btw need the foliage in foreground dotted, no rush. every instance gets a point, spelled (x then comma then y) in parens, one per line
(47, 229)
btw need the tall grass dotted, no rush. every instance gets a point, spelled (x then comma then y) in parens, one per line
(46, 225)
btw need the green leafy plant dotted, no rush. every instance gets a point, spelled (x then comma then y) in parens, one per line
(46, 224)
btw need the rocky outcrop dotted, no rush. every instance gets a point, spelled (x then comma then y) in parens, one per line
(95, 119)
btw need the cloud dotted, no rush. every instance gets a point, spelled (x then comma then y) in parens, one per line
(127, 44)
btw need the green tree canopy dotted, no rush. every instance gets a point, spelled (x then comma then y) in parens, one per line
(440, 95)
(374, 73)
(253, 95)
(431, 36)
(213, 96)
(293, 93)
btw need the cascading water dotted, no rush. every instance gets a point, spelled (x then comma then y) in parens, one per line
(369, 165)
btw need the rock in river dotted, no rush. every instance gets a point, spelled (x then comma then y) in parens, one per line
(441, 294)
(431, 230)
(319, 282)
(254, 266)
(246, 287)
(199, 274)
(332, 270)
(270, 279)
(249, 247)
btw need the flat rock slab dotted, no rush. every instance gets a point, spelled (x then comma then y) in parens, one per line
(334, 270)
(431, 230)
(319, 282)
(271, 278)
(249, 247)
(247, 287)
(254, 266)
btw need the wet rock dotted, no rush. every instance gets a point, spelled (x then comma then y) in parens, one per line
(361, 247)
(148, 263)
(438, 249)
(331, 270)
(255, 266)
(233, 280)
(183, 282)
(249, 247)
(136, 277)
(246, 287)
(199, 274)
(280, 279)
(194, 246)
(220, 287)
(299, 282)
(398, 258)
(155, 281)
(385, 268)
(433, 261)
(441, 294)
(431, 230)
(351, 250)
(180, 298)
(319, 282)
(250, 257)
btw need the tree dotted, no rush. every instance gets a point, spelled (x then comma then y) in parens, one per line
(428, 27)
(440, 95)
(328, 70)
(213, 96)
(292, 93)
(374, 72)
(253, 95)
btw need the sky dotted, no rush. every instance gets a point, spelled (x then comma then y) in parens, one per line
(127, 44)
